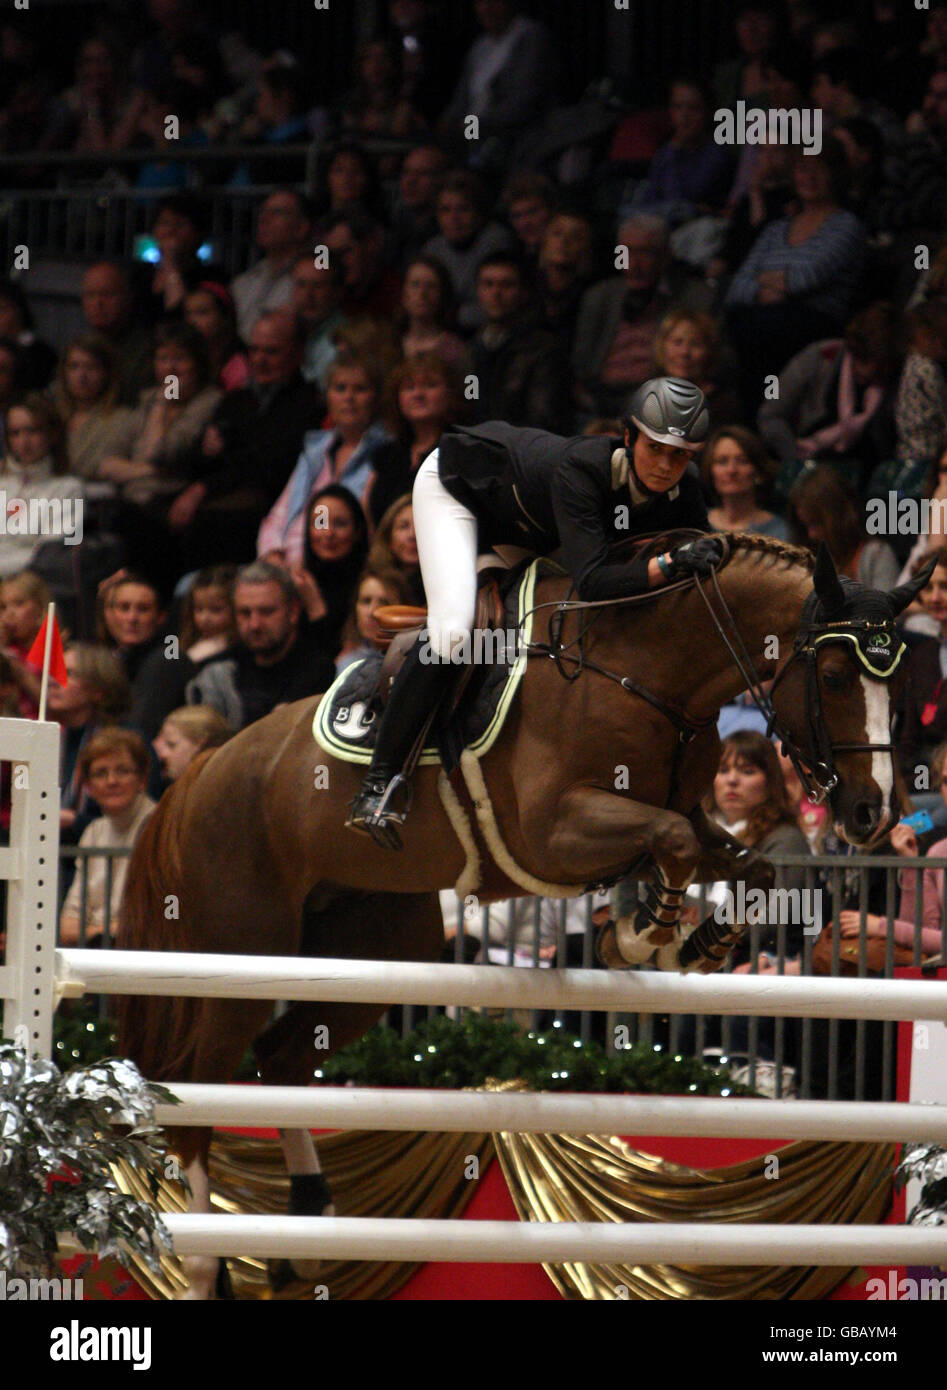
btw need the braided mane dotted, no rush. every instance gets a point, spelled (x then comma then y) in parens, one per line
(770, 546)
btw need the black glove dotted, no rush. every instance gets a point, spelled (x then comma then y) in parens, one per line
(697, 557)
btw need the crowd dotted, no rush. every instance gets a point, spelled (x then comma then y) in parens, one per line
(245, 446)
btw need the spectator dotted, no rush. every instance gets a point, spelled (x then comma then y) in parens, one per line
(864, 149)
(33, 473)
(687, 344)
(113, 768)
(508, 81)
(279, 115)
(182, 103)
(800, 278)
(766, 196)
(183, 45)
(428, 54)
(362, 635)
(426, 397)
(273, 661)
(532, 200)
(691, 175)
(317, 299)
(96, 695)
(108, 305)
(563, 276)
(736, 469)
(522, 373)
(465, 237)
(343, 454)
(395, 546)
(85, 394)
(208, 625)
(745, 78)
(836, 401)
(185, 733)
(179, 229)
(427, 310)
(618, 317)
(37, 360)
(920, 410)
(283, 227)
(413, 219)
(377, 106)
(334, 553)
(931, 538)
(823, 506)
(369, 287)
(924, 723)
(209, 308)
(841, 84)
(249, 448)
(916, 193)
(349, 178)
(813, 819)
(133, 624)
(100, 112)
(24, 601)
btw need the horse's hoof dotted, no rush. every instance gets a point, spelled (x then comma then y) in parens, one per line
(280, 1274)
(223, 1286)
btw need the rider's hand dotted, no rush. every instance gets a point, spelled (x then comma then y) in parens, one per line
(697, 557)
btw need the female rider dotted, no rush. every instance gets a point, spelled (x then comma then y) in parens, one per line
(496, 484)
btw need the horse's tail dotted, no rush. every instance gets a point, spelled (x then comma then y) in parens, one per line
(156, 1033)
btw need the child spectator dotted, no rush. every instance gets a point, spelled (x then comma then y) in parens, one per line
(34, 472)
(113, 768)
(395, 546)
(210, 309)
(208, 625)
(24, 600)
(185, 733)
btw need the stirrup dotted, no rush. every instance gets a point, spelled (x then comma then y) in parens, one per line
(372, 812)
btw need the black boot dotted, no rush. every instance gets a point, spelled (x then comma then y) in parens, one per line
(417, 690)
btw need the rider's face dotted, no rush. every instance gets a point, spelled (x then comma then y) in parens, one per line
(659, 466)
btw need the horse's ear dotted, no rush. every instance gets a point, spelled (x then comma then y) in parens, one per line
(905, 594)
(826, 582)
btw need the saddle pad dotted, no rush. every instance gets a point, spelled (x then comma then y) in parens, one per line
(345, 722)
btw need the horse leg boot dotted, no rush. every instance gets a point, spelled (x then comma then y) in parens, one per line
(309, 1195)
(415, 697)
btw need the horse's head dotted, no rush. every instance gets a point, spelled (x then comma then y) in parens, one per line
(835, 696)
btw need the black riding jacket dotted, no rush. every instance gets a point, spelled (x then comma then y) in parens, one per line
(542, 491)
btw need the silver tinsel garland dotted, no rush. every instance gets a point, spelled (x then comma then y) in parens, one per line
(928, 1164)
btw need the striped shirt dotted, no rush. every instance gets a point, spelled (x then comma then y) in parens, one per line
(823, 270)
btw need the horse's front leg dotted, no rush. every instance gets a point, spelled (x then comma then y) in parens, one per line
(722, 857)
(604, 831)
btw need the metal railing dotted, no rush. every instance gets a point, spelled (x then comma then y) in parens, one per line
(831, 1058)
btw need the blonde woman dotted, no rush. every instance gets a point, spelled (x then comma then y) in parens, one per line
(185, 733)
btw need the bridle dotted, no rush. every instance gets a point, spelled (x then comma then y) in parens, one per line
(814, 766)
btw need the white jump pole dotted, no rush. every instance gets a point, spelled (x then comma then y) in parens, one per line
(388, 982)
(511, 1242)
(342, 1107)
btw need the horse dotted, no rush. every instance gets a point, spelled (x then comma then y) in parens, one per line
(599, 771)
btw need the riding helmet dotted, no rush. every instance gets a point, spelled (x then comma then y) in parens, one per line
(671, 411)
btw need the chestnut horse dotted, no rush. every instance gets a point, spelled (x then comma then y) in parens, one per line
(591, 777)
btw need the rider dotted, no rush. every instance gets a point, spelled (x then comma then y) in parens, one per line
(495, 484)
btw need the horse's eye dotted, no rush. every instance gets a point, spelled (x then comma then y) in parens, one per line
(836, 680)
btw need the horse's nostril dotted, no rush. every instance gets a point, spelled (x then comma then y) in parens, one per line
(865, 815)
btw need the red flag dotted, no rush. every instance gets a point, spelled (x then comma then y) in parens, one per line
(57, 658)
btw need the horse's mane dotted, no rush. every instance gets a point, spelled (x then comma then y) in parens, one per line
(768, 546)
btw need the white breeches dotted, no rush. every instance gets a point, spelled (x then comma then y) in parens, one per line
(447, 549)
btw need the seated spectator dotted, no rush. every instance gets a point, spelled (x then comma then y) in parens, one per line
(687, 344)
(800, 278)
(180, 228)
(532, 200)
(563, 275)
(273, 660)
(317, 299)
(100, 112)
(208, 625)
(86, 396)
(924, 711)
(185, 733)
(864, 148)
(766, 196)
(362, 635)
(932, 534)
(279, 115)
(618, 317)
(691, 175)
(377, 105)
(96, 696)
(343, 454)
(735, 468)
(823, 506)
(508, 81)
(108, 304)
(113, 768)
(33, 471)
(523, 375)
(814, 820)
(369, 287)
(429, 55)
(9, 380)
(744, 78)
(249, 449)
(836, 401)
(182, 102)
(37, 360)
(348, 178)
(24, 601)
(427, 312)
(425, 397)
(284, 227)
(395, 546)
(465, 237)
(132, 622)
(841, 88)
(210, 309)
(915, 195)
(920, 409)
(374, 339)
(413, 220)
(335, 549)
